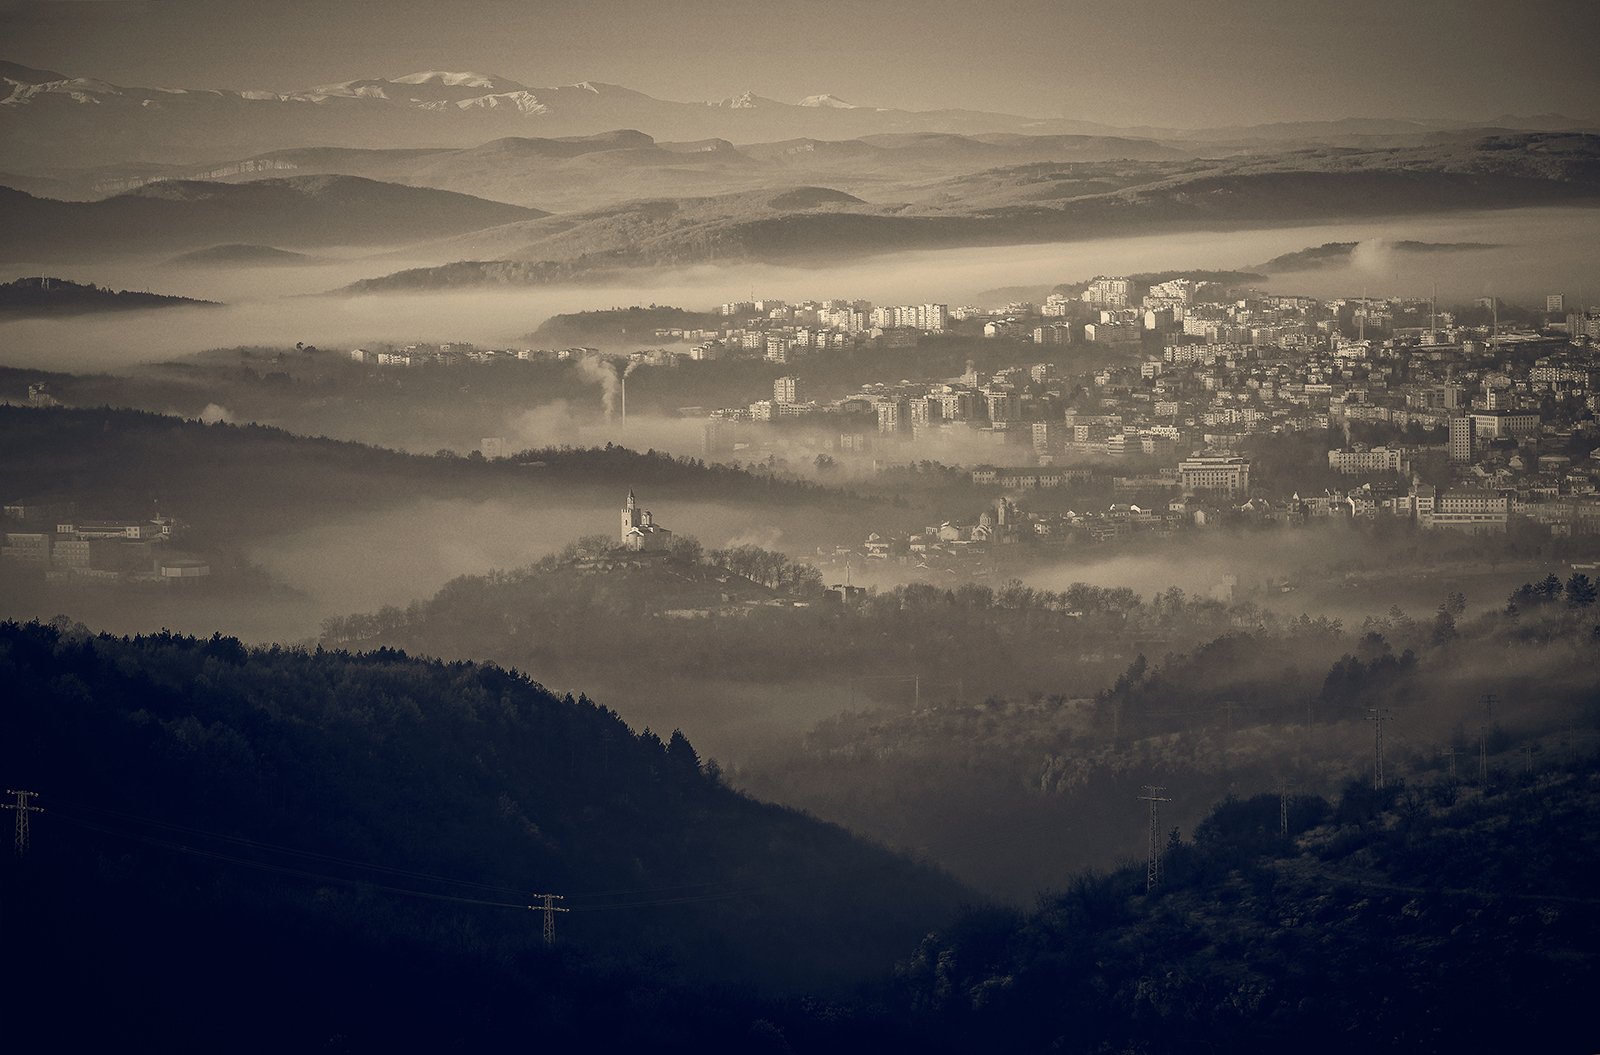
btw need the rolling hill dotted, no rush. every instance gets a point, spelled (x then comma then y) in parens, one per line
(240, 253)
(180, 215)
(581, 172)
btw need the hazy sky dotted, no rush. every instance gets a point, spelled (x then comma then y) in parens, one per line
(1161, 62)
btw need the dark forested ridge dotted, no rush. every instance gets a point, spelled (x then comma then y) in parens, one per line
(1419, 919)
(43, 296)
(255, 480)
(270, 848)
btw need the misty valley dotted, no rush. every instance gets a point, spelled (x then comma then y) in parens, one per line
(486, 565)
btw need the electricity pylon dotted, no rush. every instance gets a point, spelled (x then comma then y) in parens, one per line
(1377, 716)
(549, 907)
(22, 807)
(1152, 794)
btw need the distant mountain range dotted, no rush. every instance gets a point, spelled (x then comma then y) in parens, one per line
(50, 119)
(630, 201)
(184, 215)
(1022, 204)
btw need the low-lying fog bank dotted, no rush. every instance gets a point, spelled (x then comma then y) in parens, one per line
(1537, 251)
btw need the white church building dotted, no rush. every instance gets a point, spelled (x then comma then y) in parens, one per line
(640, 532)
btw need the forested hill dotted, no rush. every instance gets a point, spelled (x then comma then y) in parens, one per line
(264, 849)
(57, 296)
(618, 324)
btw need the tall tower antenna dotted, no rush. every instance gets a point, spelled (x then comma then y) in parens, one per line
(22, 807)
(1153, 795)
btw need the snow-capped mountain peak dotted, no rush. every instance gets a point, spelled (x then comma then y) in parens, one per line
(488, 82)
(521, 101)
(745, 101)
(829, 102)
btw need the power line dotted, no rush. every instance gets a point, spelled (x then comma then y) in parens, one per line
(291, 851)
(301, 873)
(680, 894)
(386, 869)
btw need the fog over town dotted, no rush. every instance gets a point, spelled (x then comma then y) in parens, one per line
(810, 533)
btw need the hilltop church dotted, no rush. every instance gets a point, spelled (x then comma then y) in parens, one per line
(640, 532)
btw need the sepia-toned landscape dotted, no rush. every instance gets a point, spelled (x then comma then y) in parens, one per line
(832, 527)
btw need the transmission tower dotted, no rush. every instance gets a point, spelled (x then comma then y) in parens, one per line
(1283, 808)
(1489, 700)
(1152, 794)
(549, 907)
(1377, 716)
(22, 807)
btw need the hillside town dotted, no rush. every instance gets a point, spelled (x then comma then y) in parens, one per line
(1150, 392)
(1467, 424)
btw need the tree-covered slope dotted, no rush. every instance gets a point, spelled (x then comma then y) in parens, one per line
(289, 846)
(1418, 919)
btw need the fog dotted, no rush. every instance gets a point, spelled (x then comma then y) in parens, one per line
(1538, 251)
(1322, 570)
(396, 556)
(1327, 570)
(561, 422)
